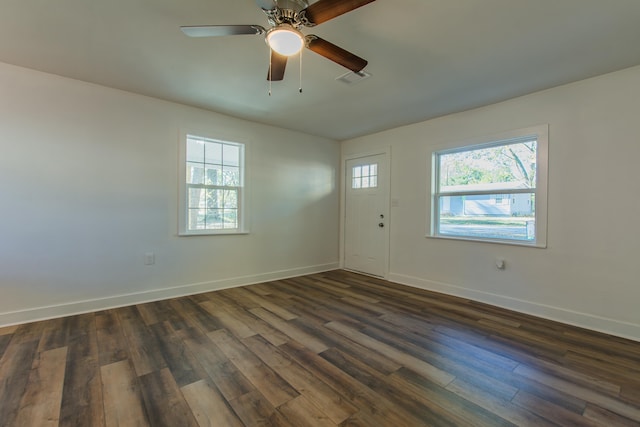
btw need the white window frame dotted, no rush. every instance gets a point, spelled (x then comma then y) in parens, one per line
(541, 134)
(183, 187)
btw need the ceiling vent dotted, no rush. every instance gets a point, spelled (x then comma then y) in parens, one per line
(352, 78)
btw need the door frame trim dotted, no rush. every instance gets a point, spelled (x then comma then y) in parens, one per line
(385, 151)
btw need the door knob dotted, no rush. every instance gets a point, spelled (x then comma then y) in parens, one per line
(381, 225)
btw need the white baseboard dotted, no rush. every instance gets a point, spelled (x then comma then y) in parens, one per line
(87, 306)
(584, 320)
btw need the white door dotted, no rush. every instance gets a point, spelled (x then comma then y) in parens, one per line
(366, 233)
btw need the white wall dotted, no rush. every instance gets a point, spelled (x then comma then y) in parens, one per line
(88, 184)
(589, 274)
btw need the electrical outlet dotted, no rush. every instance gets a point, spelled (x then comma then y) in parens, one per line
(149, 258)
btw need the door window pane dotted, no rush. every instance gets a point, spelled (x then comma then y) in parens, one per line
(364, 176)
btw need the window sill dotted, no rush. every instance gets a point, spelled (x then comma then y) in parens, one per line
(213, 233)
(487, 240)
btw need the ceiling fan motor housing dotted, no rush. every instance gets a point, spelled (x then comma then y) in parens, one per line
(296, 5)
(288, 12)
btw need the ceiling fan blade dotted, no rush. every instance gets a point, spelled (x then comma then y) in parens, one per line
(325, 10)
(222, 30)
(278, 65)
(266, 4)
(335, 53)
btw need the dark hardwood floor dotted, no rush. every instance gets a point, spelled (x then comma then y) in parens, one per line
(327, 349)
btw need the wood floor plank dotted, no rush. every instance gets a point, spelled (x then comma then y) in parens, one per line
(371, 405)
(260, 289)
(142, 343)
(4, 343)
(195, 314)
(630, 392)
(255, 410)
(40, 405)
(123, 405)
(164, 402)
(305, 383)
(169, 314)
(423, 368)
(425, 329)
(209, 406)
(82, 400)
(15, 367)
(334, 340)
(430, 393)
(276, 309)
(226, 376)
(471, 365)
(263, 378)
(604, 401)
(180, 360)
(550, 411)
(229, 319)
(431, 415)
(301, 412)
(253, 323)
(607, 418)
(54, 335)
(112, 345)
(8, 330)
(28, 332)
(149, 313)
(504, 408)
(291, 331)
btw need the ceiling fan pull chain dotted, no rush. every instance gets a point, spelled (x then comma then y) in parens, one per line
(270, 69)
(300, 71)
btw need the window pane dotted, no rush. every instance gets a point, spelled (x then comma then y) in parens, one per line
(374, 169)
(231, 176)
(479, 216)
(230, 218)
(231, 155)
(214, 219)
(196, 219)
(196, 198)
(505, 167)
(230, 199)
(213, 175)
(373, 181)
(195, 150)
(215, 199)
(356, 183)
(365, 170)
(357, 171)
(365, 182)
(213, 153)
(195, 173)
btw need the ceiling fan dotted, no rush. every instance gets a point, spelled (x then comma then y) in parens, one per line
(286, 18)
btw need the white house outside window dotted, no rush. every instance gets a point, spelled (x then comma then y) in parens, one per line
(494, 190)
(212, 186)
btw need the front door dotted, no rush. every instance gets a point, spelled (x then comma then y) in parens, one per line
(366, 215)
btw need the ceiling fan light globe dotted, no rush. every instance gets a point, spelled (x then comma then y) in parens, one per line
(285, 41)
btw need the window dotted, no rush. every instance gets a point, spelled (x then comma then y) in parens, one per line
(493, 190)
(212, 186)
(365, 176)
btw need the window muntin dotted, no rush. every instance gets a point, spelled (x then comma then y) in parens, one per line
(494, 191)
(364, 176)
(214, 181)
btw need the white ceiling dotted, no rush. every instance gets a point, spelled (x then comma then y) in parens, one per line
(427, 57)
